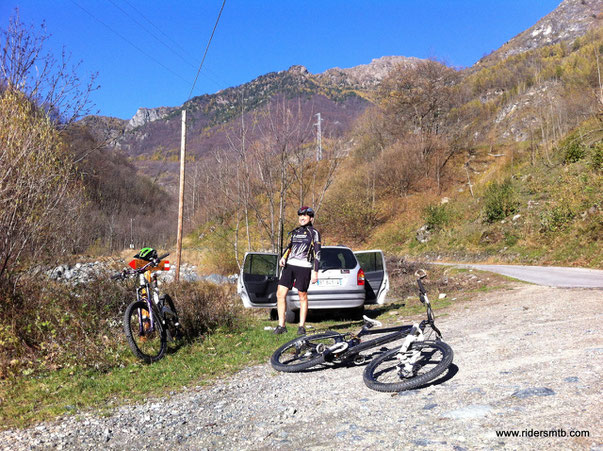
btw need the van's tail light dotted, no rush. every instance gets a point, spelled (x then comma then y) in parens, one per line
(360, 277)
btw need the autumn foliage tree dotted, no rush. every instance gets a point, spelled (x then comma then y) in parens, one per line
(39, 197)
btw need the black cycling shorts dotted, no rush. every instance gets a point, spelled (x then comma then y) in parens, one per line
(296, 276)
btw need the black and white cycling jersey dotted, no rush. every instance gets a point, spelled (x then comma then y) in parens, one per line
(304, 247)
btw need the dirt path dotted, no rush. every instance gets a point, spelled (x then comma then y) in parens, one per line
(529, 359)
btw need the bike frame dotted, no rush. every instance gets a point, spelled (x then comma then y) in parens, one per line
(145, 286)
(145, 277)
(353, 346)
(413, 332)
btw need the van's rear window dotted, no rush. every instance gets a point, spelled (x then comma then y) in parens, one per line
(334, 258)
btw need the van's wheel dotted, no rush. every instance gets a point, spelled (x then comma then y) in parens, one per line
(273, 314)
(290, 316)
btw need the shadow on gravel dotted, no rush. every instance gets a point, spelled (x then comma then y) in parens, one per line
(349, 363)
(368, 355)
(350, 317)
(381, 309)
(449, 374)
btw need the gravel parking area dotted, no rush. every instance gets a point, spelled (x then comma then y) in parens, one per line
(528, 359)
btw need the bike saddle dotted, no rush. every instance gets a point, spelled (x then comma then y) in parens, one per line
(368, 322)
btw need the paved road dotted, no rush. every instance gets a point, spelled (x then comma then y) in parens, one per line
(550, 276)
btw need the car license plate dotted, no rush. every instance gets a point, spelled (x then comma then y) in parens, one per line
(328, 282)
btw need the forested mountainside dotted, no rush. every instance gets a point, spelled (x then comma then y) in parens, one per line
(152, 136)
(502, 161)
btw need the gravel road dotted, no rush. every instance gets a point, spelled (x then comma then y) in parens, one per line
(528, 358)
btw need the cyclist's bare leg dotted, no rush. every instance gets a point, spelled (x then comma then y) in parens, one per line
(281, 303)
(303, 307)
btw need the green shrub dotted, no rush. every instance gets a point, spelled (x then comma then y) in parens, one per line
(555, 218)
(573, 151)
(437, 216)
(596, 157)
(48, 325)
(511, 239)
(500, 201)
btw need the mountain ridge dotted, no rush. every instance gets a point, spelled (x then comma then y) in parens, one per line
(340, 95)
(570, 20)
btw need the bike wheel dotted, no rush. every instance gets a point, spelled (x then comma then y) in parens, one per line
(383, 374)
(303, 352)
(171, 318)
(147, 342)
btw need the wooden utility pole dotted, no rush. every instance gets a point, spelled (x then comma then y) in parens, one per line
(318, 138)
(181, 197)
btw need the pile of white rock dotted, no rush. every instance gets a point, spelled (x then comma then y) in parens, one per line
(86, 272)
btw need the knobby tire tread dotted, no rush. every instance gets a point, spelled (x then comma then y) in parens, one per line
(413, 382)
(297, 367)
(148, 358)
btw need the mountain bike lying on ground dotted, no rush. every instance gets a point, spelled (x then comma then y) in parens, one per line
(151, 320)
(422, 359)
(418, 361)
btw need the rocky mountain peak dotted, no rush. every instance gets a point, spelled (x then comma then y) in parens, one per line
(298, 69)
(146, 115)
(570, 20)
(367, 75)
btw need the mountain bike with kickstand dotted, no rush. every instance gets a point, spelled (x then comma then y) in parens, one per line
(426, 359)
(151, 320)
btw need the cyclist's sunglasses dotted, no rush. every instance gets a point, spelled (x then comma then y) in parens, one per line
(305, 211)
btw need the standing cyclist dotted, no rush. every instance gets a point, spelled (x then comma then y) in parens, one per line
(300, 262)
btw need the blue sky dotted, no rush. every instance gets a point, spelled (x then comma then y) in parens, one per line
(147, 52)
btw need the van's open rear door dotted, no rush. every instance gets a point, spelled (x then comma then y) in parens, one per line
(375, 273)
(258, 280)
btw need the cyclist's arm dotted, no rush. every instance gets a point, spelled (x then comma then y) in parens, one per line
(285, 255)
(316, 248)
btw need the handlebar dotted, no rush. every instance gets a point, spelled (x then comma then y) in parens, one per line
(420, 274)
(130, 272)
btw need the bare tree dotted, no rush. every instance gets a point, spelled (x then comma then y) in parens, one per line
(50, 82)
(285, 133)
(417, 98)
(36, 181)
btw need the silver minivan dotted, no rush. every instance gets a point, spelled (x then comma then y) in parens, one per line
(346, 280)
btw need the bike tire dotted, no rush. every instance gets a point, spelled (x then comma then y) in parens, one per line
(301, 354)
(148, 345)
(382, 373)
(173, 332)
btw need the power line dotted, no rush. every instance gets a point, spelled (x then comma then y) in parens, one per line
(128, 41)
(174, 51)
(206, 49)
(185, 55)
(156, 27)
